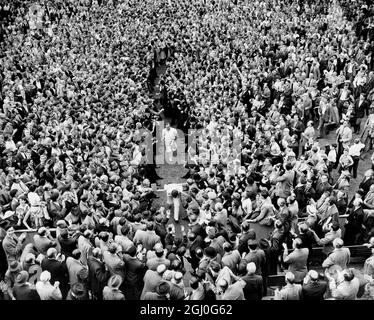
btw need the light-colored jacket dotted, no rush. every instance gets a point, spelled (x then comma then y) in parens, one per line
(46, 291)
(339, 257)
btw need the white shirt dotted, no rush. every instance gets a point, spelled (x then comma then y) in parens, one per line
(332, 156)
(247, 205)
(355, 149)
(169, 135)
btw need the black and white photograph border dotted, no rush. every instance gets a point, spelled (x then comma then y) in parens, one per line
(186, 155)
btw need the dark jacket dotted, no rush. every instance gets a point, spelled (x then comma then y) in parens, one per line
(58, 271)
(259, 259)
(253, 288)
(25, 292)
(243, 241)
(134, 277)
(67, 245)
(98, 276)
(314, 290)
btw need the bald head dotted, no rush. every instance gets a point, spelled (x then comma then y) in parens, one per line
(338, 243)
(290, 277)
(51, 253)
(251, 268)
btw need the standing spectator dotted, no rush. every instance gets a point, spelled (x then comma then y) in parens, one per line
(296, 260)
(13, 245)
(46, 290)
(152, 279)
(74, 266)
(112, 291)
(291, 291)
(340, 255)
(355, 153)
(98, 274)
(253, 289)
(54, 263)
(257, 256)
(135, 271)
(345, 287)
(313, 288)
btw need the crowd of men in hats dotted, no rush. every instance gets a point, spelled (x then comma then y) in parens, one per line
(79, 83)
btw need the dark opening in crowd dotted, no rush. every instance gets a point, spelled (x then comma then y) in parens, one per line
(80, 217)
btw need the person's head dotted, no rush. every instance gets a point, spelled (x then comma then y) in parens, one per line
(210, 252)
(251, 268)
(357, 202)
(252, 244)
(115, 281)
(42, 231)
(348, 274)
(97, 253)
(368, 173)
(297, 243)
(222, 284)
(227, 247)
(150, 226)
(51, 253)
(163, 288)
(161, 269)
(159, 250)
(76, 254)
(22, 277)
(313, 275)
(281, 202)
(303, 227)
(338, 243)
(45, 276)
(289, 277)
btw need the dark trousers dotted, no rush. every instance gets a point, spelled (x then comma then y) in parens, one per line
(353, 168)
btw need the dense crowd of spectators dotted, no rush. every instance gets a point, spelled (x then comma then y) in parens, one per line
(253, 85)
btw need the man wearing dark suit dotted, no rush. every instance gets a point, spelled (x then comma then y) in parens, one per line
(367, 181)
(68, 244)
(307, 238)
(322, 185)
(313, 288)
(247, 234)
(361, 108)
(134, 275)
(98, 274)
(57, 269)
(194, 242)
(257, 256)
(20, 159)
(253, 283)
